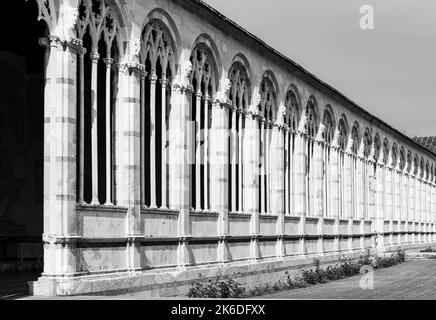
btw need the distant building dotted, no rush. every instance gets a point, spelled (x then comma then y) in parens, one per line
(428, 142)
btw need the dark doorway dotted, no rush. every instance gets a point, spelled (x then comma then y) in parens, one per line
(21, 146)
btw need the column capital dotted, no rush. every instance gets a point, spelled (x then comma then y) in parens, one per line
(164, 81)
(73, 43)
(108, 61)
(95, 57)
(143, 74)
(131, 67)
(153, 77)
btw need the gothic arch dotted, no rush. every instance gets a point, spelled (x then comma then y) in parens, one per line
(394, 155)
(101, 20)
(293, 110)
(355, 138)
(312, 116)
(415, 165)
(409, 162)
(385, 153)
(242, 59)
(329, 125)
(367, 143)
(240, 85)
(427, 170)
(48, 11)
(268, 96)
(210, 52)
(342, 133)
(377, 147)
(402, 159)
(421, 168)
(158, 46)
(165, 18)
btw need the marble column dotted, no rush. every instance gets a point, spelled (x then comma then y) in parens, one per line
(81, 180)
(108, 119)
(94, 131)
(277, 175)
(219, 155)
(300, 186)
(233, 161)
(153, 79)
(198, 107)
(164, 83)
(240, 161)
(206, 147)
(60, 155)
(128, 159)
(181, 156)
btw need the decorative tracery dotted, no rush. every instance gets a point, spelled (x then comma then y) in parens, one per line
(47, 12)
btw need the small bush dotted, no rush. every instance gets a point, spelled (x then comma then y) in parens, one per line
(217, 289)
(401, 255)
(346, 267)
(428, 249)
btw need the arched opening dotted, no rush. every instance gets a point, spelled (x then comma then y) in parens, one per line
(239, 95)
(203, 81)
(22, 73)
(291, 122)
(311, 130)
(157, 54)
(267, 108)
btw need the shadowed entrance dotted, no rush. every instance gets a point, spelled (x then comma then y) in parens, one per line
(21, 146)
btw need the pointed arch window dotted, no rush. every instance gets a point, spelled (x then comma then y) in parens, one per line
(291, 123)
(239, 95)
(98, 29)
(327, 136)
(367, 144)
(355, 144)
(203, 81)
(342, 144)
(157, 54)
(267, 108)
(311, 130)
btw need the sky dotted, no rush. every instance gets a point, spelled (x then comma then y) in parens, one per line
(390, 71)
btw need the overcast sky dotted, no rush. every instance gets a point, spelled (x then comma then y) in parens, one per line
(390, 71)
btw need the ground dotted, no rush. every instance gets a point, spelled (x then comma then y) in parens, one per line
(415, 279)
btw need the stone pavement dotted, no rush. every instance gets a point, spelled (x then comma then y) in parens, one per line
(415, 279)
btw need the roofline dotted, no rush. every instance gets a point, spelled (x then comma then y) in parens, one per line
(306, 72)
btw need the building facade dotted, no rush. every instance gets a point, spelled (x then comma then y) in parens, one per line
(175, 142)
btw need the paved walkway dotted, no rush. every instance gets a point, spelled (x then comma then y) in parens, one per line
(415, 279)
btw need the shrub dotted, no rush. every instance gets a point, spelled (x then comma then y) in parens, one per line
(217, 289)
(346, 267)
(428, 249)
(401, 255)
